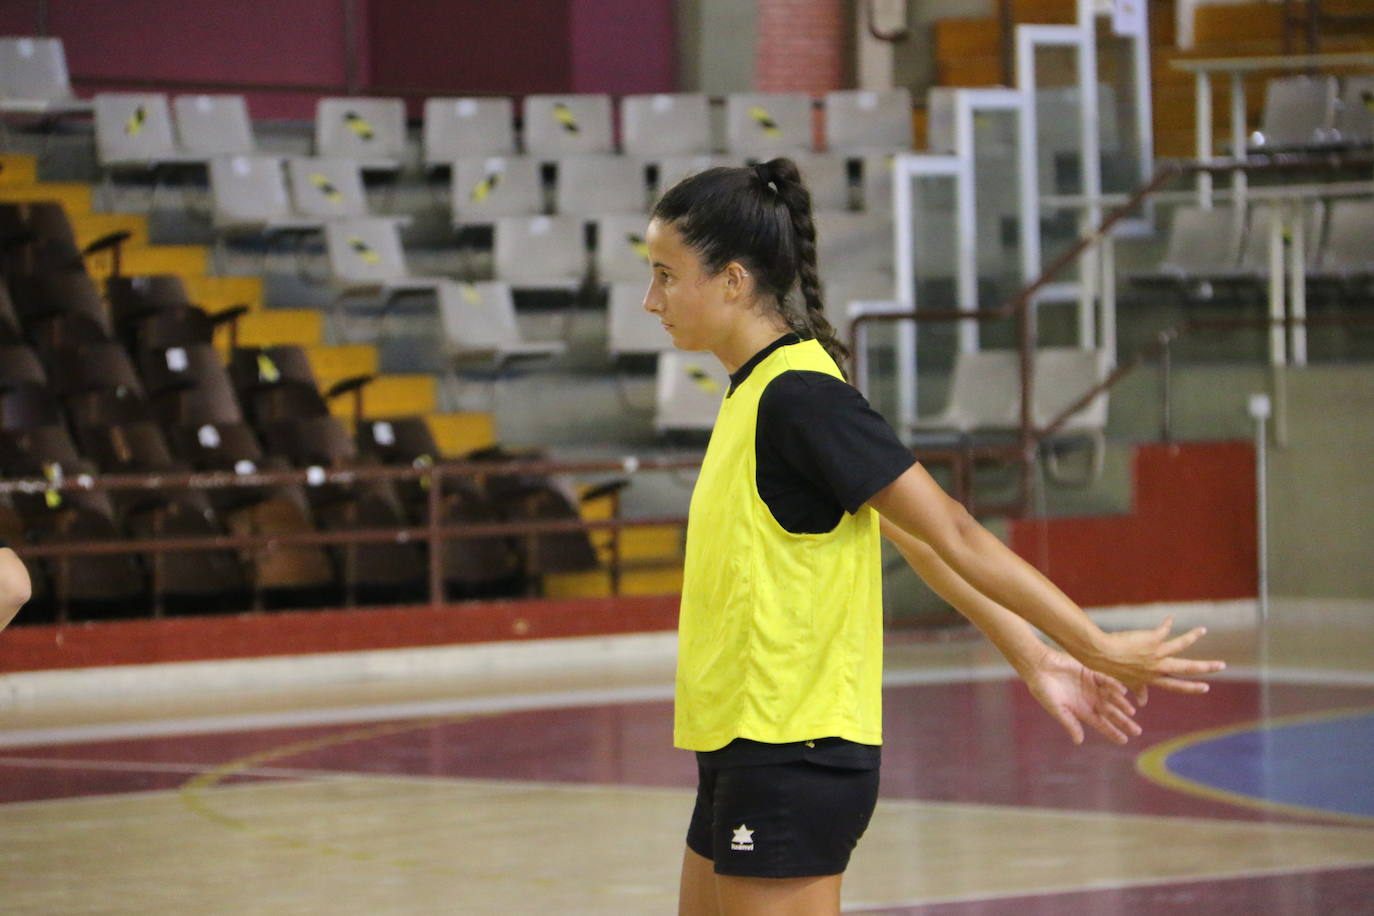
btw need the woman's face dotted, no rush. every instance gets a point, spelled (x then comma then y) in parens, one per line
(690, 304)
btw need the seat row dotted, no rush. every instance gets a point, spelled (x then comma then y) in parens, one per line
(137, 128)
(1316, 112)
(268, 194)
(1215, 247)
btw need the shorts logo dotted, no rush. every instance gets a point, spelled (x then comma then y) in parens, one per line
(743, 840)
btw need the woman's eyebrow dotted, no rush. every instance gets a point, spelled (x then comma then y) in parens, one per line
(661, 264)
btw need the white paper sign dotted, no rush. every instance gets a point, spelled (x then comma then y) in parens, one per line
(245, 467)
(465, 108)
(208, 436)
(176, 359)
(383, 433)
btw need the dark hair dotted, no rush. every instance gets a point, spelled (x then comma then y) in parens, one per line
(759, 216)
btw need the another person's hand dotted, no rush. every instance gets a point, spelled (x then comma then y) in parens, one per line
(1141, 659)
(1075, 696)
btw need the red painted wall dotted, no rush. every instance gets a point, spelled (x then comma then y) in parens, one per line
(510, 47)
(1191, 536)
(443, 46)
(623, 46)
(292, 42)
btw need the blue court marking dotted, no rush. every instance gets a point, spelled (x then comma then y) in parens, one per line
(1320, 764)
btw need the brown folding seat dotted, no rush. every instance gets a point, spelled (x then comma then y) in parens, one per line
(477, 567)
(19, 365)
(37, 238)
(92, 368)
(46, 296)
(91, 586)
(190, 581)
(182, 325)
(277, 382)
(134, 297)
(188, 385)
(284, 575)
(11, 331)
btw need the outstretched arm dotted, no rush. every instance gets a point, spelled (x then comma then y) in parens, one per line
(915, 504)
(1071, 693)
(14, 585)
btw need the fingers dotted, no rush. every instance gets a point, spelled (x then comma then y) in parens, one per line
(1191, 667)
(1065, 717)
(1179, 643)
(1181, 686)
(1142, 695)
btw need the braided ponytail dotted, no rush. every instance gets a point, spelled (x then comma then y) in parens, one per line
(783, 174)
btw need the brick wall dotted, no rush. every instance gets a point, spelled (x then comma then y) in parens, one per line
(802, 45)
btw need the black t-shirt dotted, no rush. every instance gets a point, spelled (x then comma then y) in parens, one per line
(820, 451)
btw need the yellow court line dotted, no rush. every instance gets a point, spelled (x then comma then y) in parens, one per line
(1153, 765)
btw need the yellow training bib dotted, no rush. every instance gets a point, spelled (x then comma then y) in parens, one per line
(780, 634)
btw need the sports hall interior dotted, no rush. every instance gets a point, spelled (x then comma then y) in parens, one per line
(352, 476)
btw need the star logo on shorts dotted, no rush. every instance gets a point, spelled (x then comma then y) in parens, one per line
(743, 840)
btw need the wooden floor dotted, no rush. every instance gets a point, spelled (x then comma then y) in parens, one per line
(555, 790)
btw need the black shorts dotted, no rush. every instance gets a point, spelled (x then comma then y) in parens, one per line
(785, 820)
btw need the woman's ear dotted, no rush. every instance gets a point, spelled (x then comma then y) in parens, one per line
(738, 283)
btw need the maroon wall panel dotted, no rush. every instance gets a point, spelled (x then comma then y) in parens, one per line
(19, 17)
(623, 46)
(471, 46)
(293, 42)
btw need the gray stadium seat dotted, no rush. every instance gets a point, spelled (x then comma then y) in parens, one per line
(1355, 121)
(827, 178)
(459, 128)
(596, 185)
(689, 389)
(369, 130)
(540, 252)
(365, 254)
(488, 188)
(248, 193)
(761, 124)
(622, 255)
(629, 328)
(875, 183)
(326, 188)
(567, 125)
(134, 129)
(867, 121)
(983, 395)
(1299, 111)
(34, 78)
(853, 244)
(675, 168)
(213, 125)
(1203, 245)
(479, 325)
(1349, 250)
(655, 126)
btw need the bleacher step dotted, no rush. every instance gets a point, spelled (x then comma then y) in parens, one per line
(17, 169)
(463, 432)
(389, 396)
(75, 197)
(303, 327)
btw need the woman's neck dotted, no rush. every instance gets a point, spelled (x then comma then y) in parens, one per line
(751, 337)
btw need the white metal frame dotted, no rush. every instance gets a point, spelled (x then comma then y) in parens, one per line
(905, 170)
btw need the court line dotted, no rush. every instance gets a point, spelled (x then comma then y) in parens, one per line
(1128, 884)
(1153, 764)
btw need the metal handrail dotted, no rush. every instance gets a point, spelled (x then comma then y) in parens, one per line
(1029, 436)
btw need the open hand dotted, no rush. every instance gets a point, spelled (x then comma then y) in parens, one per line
(1076, 695)
(1144, 658)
